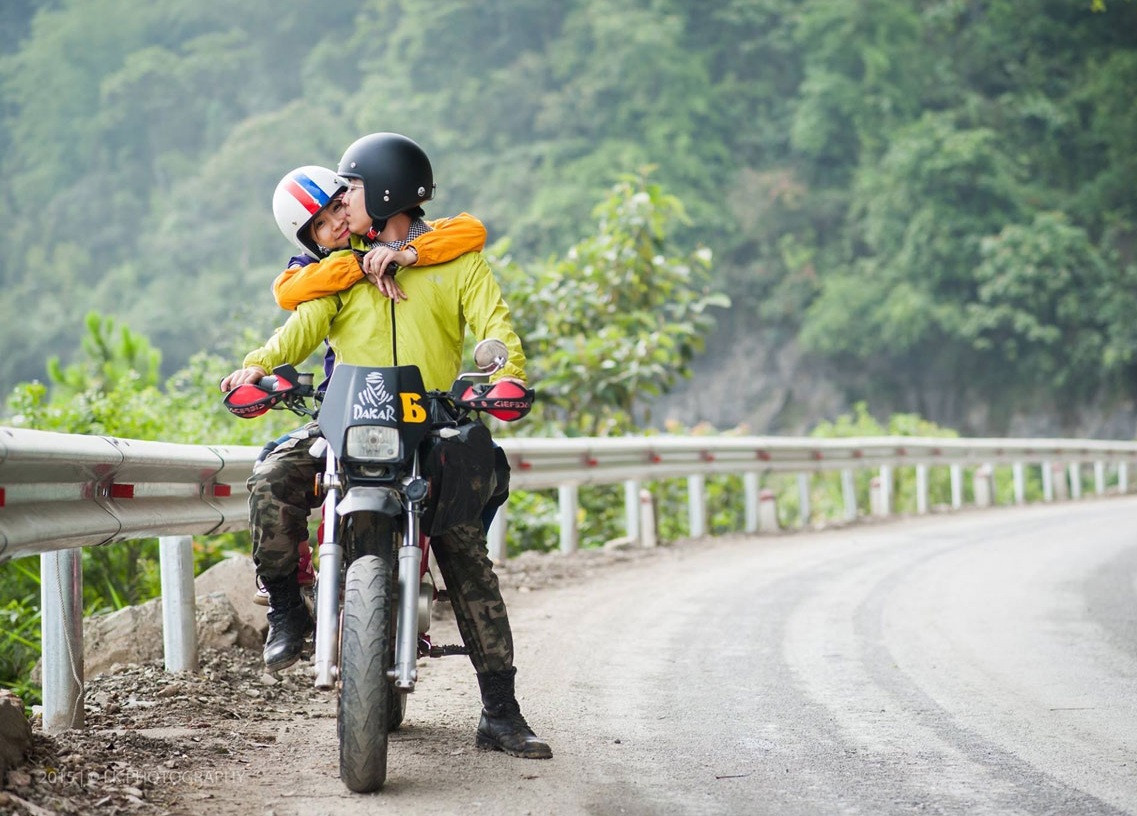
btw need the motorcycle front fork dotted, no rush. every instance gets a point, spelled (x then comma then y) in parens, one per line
(403, 673)
(326, 653)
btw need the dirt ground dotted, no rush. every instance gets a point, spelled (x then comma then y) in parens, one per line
(153, 738)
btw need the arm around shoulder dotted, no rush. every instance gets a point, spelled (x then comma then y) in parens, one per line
(299, 284)
(449, 238)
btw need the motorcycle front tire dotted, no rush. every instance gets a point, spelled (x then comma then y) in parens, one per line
(365, 705)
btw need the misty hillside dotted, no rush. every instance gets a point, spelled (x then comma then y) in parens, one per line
(928, 205)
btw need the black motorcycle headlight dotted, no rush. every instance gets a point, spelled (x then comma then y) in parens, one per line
(373, 443)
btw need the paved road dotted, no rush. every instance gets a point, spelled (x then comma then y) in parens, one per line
(979, 663)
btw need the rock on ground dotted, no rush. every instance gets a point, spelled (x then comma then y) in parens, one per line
(235, 577)
(134, 634)
(15, 732)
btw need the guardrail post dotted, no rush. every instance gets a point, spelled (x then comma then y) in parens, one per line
(981, 486)
(495, 535)
(179, 626)
(767, 511)
(751, 485)
(632, 510)
(956, 487)
(1018, 476)
(849, 494)
(647, 519)
(697, 505)
(876, 502)
(1099, 478)
(1075, 469)
(1061, 485)
(805, 511)
(1047, 481)
(567, 495)
(886, 490)
(61, 609)
(921, 489)
(1123, 477)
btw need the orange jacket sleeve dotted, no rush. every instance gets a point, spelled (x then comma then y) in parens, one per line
(449, 238)
(298, 284)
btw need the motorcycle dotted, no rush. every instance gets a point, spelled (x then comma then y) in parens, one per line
(384, 440)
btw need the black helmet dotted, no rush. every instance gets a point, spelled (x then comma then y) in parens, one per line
(395, 172)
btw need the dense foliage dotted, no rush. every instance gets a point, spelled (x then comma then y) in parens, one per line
(879, 180)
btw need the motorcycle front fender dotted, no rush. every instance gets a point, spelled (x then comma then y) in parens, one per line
(383, 500)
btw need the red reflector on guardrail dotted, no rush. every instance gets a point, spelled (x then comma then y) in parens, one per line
(122, 491)
(222, 491)
(1, 497)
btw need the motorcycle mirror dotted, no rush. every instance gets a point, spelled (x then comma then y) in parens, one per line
(490, 355)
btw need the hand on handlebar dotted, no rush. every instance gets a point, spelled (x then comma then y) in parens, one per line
(243, 376)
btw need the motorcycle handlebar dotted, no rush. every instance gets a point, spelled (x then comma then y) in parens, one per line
(284, 388)
(506, 400)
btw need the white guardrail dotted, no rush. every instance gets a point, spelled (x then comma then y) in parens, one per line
(62, 492)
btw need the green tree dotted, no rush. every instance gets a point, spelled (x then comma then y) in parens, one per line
(897, 307)
(866, 69)
(619, 319)
(110, 353)
(1053, 308)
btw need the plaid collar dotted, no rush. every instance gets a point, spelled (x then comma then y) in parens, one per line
(417, 229)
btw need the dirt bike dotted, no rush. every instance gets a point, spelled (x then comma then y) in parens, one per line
(383, 436)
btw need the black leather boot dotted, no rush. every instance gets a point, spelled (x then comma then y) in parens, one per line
(502, 728)
(289, 622)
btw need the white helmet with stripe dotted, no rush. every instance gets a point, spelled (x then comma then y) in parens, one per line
(299, 197)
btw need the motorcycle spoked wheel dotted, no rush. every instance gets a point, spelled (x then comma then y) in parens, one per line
(365, 705)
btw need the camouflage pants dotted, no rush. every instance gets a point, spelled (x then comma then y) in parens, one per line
(282, 494)
(474, 593)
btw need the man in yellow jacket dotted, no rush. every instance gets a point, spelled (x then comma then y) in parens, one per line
(390, 177)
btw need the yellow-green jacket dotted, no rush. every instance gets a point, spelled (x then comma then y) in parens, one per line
(429, 325)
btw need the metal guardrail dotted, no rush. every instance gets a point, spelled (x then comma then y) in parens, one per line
(59, 491)
(62, 492)
(543, 463)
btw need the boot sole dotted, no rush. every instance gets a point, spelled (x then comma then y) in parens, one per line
(281, 665)
(485, 743)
